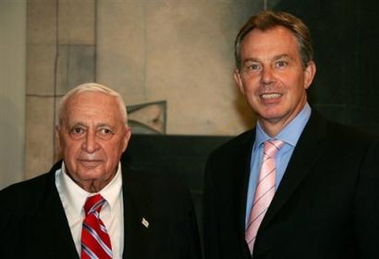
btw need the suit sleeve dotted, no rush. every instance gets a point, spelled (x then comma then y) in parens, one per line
(9, 234)
(210, 225)
(193, 230)
(367, 205)
(184, 229)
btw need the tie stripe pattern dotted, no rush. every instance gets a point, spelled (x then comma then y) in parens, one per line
(264, 192)
(95, 242)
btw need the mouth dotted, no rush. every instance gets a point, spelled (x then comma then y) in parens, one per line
(90, 162)
(268, 96)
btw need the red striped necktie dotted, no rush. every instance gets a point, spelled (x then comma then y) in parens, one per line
(95, 242)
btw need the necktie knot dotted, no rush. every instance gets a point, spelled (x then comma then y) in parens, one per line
(94, 204)
(272, 146)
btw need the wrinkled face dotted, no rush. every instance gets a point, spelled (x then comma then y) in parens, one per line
(272, 76)
(91, 138)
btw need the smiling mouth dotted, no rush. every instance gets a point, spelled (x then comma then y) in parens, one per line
(270, 96)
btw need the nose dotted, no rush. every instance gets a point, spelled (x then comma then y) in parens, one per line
(90, 143)
(267, 76)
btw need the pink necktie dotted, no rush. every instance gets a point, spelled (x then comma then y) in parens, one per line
(95, 239)
(264, 192)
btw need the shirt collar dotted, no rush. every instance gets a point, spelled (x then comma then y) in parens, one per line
(76, 196)
(290, 133)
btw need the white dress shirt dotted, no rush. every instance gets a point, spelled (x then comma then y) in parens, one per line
(73, 199)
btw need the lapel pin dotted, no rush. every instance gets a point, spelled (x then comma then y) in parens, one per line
(145, 223)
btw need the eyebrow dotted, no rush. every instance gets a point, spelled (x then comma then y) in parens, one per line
(75, 124)
(102, 125)
(82, 124)
(276, 57)
(282, 56)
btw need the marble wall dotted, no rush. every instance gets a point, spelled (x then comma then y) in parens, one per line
(176, 52)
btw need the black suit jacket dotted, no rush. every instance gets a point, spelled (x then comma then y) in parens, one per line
(33, 222)
(326, 206)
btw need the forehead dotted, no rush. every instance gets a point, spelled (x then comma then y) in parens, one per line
(276, 40)
(92, 105)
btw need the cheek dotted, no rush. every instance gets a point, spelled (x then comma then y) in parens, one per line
(251, 84)
(114, 150)
(245, 87)
(252, 93)
(70, 149)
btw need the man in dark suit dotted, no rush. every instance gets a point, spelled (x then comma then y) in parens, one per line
(143, 217)
(320, 197)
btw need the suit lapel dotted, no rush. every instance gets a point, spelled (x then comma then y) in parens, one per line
(242, 172)
(307, 151)
(51, 226)
(136, 218)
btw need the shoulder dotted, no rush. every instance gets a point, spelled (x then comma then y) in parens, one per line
(350, 136)
(156, 186)
(320, 126)
(26, 187)
(339, 130)
(29, 192)
(240, 144)
(337, 137)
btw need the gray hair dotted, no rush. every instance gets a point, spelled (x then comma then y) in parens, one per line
(91, 87)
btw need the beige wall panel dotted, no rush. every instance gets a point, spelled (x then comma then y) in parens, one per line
(41, 23)
(39, 140)
(178, 51)
(12, 90)
(40, 69)
(121, 48)
(77, 22)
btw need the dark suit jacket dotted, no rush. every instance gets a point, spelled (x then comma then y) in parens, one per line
(326, 206)
(33, 222)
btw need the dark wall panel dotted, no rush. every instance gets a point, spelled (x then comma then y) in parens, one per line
(181, 157)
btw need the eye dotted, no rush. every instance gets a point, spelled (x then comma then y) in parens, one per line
(281, 63)
(77, 132)
(105, 133)
(253, 66)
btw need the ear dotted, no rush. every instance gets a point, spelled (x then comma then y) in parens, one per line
(128, 134)
(309, 74)
(237, 79)
(57, 138)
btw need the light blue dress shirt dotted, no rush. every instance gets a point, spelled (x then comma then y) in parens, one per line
(290, 135)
